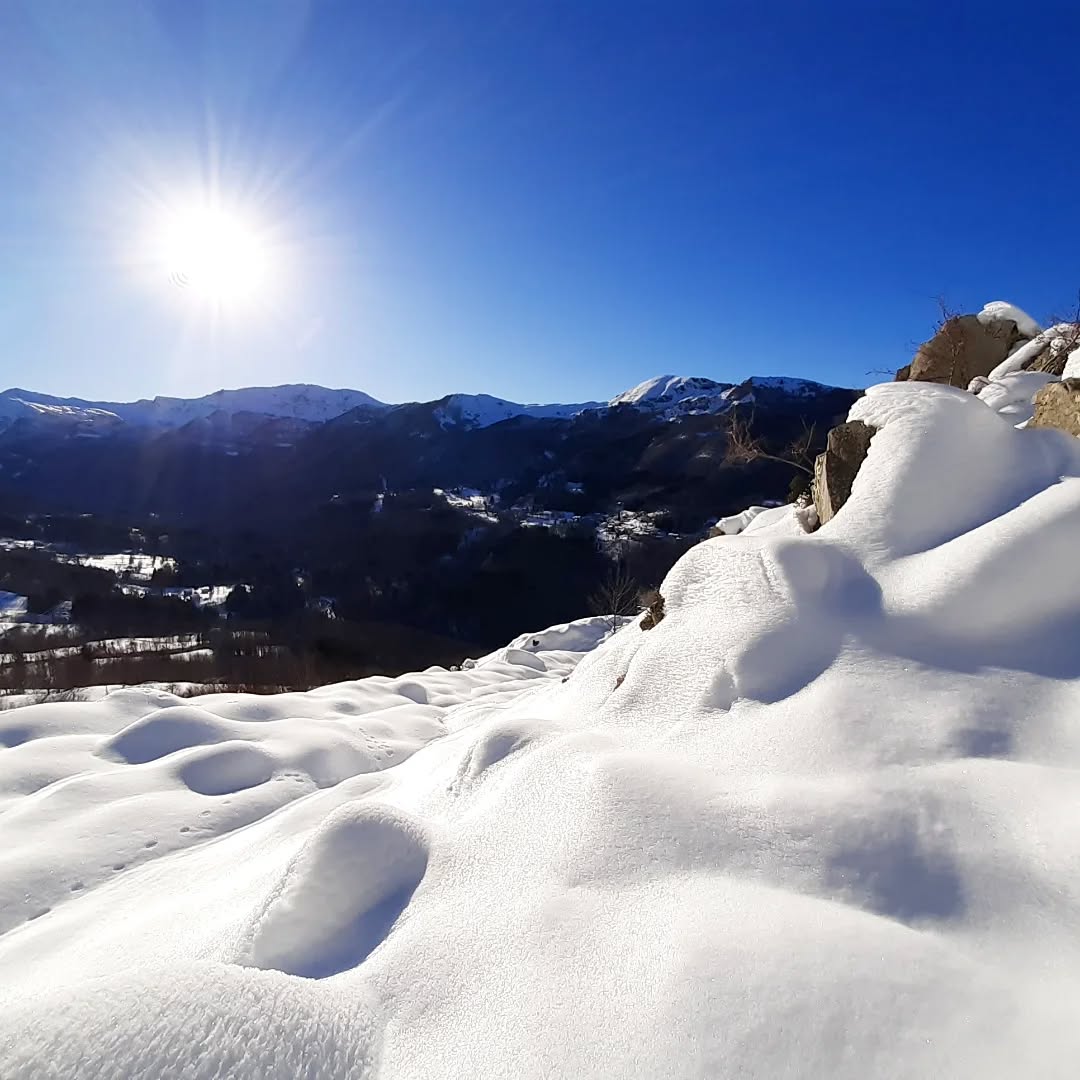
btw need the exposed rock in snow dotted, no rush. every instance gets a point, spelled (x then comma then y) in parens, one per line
(965, 347)
(1057, 405)
(837, 466)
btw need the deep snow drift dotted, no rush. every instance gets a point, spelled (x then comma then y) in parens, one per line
(820, 821)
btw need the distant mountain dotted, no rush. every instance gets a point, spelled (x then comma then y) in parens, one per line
(483, 410)
(300, 401)
(666, 395)
(679, 395)
(273, 455)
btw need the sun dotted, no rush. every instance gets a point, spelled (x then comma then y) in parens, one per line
(215, 253)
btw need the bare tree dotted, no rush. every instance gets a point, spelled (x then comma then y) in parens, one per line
(744, 446)
(616, 596)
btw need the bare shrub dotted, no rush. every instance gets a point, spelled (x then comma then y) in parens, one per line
(744, 446)
(616, 596)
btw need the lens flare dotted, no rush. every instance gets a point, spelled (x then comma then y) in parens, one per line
(215, 253)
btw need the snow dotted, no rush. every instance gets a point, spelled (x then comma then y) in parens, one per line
(819, 821)
(736, 523)
(1001, 311)
(12, 606)
(295, 401)
(787, 385)
(672, 396)
(471, 501)
(1055, 337)
(1012, 396)
(667, 395)
(482, 410)
(667, 389)
(140, 566)
(1072, 366)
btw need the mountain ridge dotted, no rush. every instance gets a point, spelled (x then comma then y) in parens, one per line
(668, 395)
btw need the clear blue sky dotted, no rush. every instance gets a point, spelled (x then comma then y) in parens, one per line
(542, 200)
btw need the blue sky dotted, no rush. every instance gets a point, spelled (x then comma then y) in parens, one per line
(541, 200)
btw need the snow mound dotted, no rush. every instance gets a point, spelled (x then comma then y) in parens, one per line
(342, 894)
(1002, 311)
(818, 821)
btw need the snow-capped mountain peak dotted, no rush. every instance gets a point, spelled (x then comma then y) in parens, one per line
(668, 390)
(483, 410)
(299, 401)
(669, 396)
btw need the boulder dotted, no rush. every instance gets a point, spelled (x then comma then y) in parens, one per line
(1058, 405)
(964, 348)
(903, 374)
(836, 468)
(654, 610)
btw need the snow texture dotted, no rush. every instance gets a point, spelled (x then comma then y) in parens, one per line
(820, 821)
(1012, 396)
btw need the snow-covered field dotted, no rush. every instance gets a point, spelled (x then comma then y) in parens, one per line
(820, 821)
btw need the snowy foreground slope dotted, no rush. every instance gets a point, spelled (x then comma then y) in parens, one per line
(822, 820)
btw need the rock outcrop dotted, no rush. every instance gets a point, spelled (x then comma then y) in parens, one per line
(1058, 405)
(654, 610)
(964, 348)
(1064, 339)
(836, 468)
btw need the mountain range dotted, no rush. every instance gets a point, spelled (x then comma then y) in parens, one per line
(273, 458)
(667, 395)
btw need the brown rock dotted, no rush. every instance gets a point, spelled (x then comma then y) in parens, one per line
(962, 349)
(1051, 360)
(654, 610)
(835, 469)
(903, 374)
(1058, 405)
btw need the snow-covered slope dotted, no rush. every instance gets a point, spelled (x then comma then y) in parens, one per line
(483, 410)
(22, 405)
(299, 402)
(664, 390)
(678, 395)
(821, 821)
